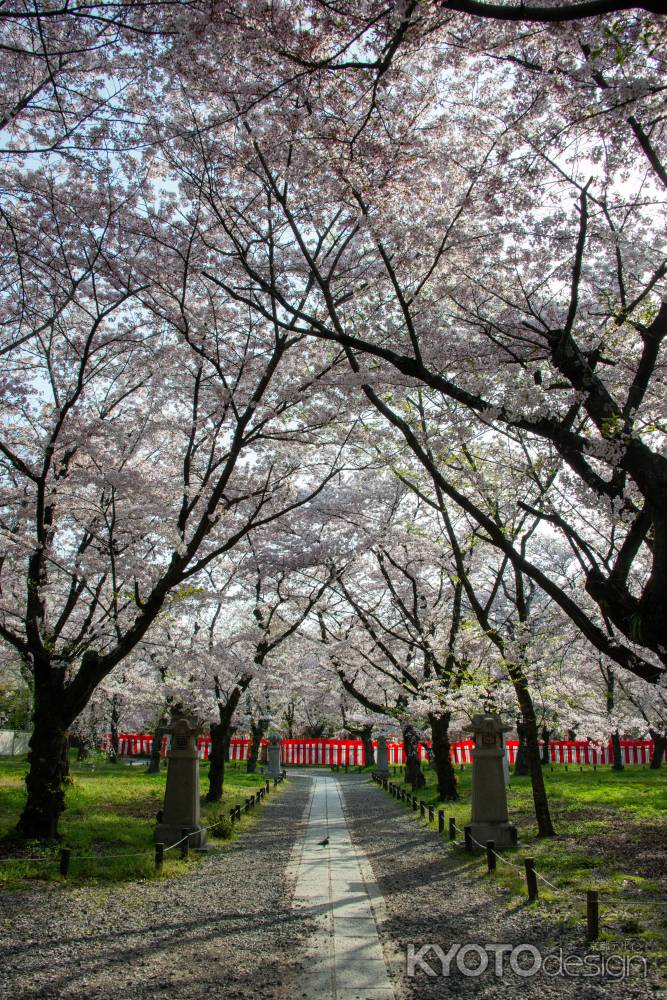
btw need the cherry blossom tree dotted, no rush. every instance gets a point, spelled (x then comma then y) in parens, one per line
(130, 462)
(404, 596)
(526, 250)
(215, 257)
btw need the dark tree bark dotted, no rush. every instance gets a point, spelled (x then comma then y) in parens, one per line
(659, 745)
(366, 737)
(80, 745)
(365, 734)
(616, 752)
(413, 771)
(546, 734)
(113, 726)
(216, 763)
(545, 827)
(522, 761)
(290, 713)
(526, 13)
(156, 749)
(257, 730)
(48, 769)
(442, 758)
(314, 731)
(221, 734)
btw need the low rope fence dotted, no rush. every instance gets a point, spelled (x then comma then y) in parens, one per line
(528, 870)
(66, 856)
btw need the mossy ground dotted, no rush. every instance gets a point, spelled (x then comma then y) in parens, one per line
(111, 810)
(611, 836)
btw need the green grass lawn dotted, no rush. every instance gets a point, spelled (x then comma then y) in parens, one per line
(110, 811)
(611, 836)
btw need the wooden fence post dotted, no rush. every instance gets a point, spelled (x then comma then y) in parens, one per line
(592, 915)
(65, 858)
(531, 878)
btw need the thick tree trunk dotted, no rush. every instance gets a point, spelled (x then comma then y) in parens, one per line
(221, 735)
(366, 736)
(659, 744)
(413, 771)
(522, 760)
(540, 800)
(616, 752)
(156, 748)
(447, 790)
(48, 768)
(546, 733)
(113, 725)
(216, 762)
(257, 730)
(80, 745)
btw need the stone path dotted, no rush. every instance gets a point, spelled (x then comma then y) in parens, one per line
(344, 960)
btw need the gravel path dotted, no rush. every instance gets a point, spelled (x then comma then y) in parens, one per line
(432, 897)
(225, 930)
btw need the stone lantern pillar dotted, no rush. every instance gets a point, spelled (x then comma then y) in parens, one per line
(489, 818)
(274, 756)
(382, 758)
(181, 798)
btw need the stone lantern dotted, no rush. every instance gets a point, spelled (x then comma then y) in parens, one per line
(181, 810)
(489, 818)
(274, 756)
(382, 756)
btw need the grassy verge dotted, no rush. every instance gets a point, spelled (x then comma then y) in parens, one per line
(611, 836)
(111, 810)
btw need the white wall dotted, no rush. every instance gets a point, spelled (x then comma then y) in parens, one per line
(13, 743)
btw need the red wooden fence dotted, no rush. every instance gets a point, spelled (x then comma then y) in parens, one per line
(296, 753)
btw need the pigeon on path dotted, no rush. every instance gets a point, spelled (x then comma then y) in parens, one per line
(324, 843)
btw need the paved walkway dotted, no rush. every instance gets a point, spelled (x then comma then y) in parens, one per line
(345, 960)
